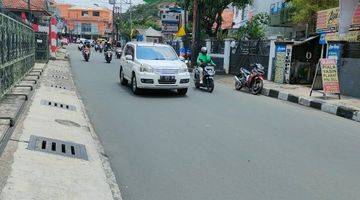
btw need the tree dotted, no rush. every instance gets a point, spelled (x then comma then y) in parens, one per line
(254, 28)
(143, 16)
(304, 11)
(211, 11)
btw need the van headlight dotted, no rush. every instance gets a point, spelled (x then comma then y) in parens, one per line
(146, 68)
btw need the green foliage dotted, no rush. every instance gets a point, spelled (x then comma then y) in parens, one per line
(211, 11)
(304, 11)
(254, 28)
(143, 16)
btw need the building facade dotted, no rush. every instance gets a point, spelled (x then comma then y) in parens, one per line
(279, 23)
(88, 22)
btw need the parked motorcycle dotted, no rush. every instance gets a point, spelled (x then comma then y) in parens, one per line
(252, 80)
(86, 54)
(118, 53)
(108, 55)
(208, 78)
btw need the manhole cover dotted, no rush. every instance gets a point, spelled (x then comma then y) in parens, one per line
(58, 147)
(67, 122)
(58, 105)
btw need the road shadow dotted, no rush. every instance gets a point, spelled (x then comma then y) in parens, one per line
(152, 93)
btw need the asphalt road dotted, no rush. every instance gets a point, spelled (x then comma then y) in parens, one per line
(227, 145)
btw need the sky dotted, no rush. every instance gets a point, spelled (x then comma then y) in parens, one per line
(104, 3)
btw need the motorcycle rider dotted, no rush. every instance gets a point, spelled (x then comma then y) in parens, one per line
(107, 47)
(202, 60)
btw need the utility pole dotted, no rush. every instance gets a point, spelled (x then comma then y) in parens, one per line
(130, 19)
(195, 32)
(113, 20)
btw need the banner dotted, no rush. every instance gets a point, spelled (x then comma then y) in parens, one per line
(330, 76)
(328, 20)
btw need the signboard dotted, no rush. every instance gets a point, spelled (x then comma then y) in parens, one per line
(330, 76)
(170, 27)
(280, 63)
(322, 39)
(333, 51)
(328, 20)
(356, 16)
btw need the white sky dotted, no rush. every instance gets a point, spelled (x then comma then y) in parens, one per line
(104, 3)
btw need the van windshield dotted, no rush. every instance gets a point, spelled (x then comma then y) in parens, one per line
(155, 53)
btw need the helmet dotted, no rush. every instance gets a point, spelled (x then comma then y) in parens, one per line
(203, 50)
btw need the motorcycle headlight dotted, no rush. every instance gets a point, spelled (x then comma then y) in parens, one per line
(146, 68)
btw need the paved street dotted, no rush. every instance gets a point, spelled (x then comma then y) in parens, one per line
(226, 145)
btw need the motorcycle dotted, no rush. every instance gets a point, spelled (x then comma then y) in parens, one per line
(86, 54)
(108, 55)
(253, 80)
(96, 47)
(100, 48)
(80, 46)
(208, 78)
(118, 53)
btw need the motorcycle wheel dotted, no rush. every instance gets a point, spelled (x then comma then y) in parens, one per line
(238, 85)
(210, 87)
(257, 86)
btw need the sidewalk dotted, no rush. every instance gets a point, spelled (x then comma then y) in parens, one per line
(56, 153)
(347, 107)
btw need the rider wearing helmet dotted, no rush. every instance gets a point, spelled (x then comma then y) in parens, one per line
(202, 60)
(107, 47)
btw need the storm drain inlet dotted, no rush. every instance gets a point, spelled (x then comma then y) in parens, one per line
(58, 105)
(58, 77)
(58, 86)
(58, 147)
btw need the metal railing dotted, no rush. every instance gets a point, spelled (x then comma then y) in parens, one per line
(17, 52)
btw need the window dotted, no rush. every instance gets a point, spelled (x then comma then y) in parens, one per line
(96, 14)
(84, 13)
(155, 53)
(85, 27)
(129, 50)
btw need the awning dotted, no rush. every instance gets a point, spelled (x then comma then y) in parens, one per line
(305, 41)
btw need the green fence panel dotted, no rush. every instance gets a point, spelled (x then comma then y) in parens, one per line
(42, 47)
(17, 52)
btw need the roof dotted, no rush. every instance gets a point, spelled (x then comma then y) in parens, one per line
(88, 8)
(153, 33)
(35, 5)
(150, 32)
(147, 44)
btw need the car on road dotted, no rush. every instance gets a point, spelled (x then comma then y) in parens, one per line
(153, 66)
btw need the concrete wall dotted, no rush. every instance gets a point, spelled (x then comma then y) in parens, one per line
(263, 5)
(347, 8)
(349, 74)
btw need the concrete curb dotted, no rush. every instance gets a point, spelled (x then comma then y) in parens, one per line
(341, 111)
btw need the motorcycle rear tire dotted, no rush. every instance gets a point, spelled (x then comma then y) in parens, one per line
(238, 85)
(257, 90)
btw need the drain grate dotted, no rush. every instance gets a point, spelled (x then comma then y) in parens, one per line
(58, 105)
(67, 122)
(58, 77)
(48, 145)
(58, 86)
